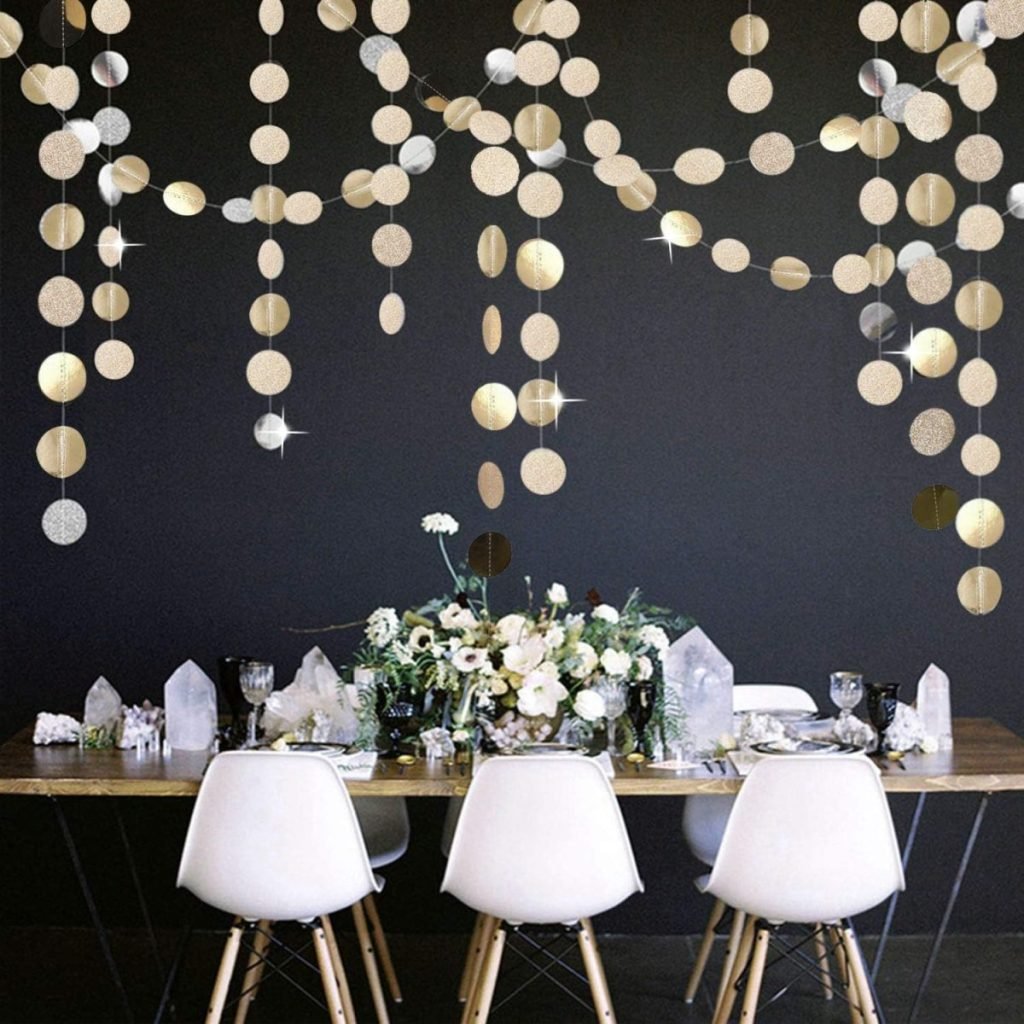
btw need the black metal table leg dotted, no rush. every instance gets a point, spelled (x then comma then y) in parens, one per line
(167, 996)
(139, 893)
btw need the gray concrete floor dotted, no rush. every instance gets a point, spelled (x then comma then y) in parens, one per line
(56, 976)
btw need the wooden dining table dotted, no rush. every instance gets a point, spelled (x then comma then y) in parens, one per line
(986, 759)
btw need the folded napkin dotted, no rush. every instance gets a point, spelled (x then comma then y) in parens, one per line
(314, 705)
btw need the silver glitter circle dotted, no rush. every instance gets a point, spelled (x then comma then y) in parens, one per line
(238, 211)
(270, 431)
(500, 66)
(878, 321)
(114, 125)
(548, 158)
(417, 154)
(1015, 200)
(64, 521)
(971, 25)
(87, 133)
(895, 100)
(876, 77)
(109, 192)
(911, 253)
(373, 48)
(109, 69)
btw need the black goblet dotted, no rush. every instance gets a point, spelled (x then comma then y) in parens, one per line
(882, 701)
(640, 707)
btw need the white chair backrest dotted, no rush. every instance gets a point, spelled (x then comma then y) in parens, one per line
(541, 840)
(768, 696)
(384, 822)
(810, 838)
(274, 836)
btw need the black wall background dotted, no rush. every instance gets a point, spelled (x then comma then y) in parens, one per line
(723, 460)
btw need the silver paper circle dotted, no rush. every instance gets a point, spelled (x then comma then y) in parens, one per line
(500, 66)
(971, 25)
(912, 252)
(1015, 200)
(64, 521)
(876, 77)
(238, 211)
(373, 48)
(86, 132)
(878, 321)
(270, 431)
(114, 125)
(109, 69)
(417, 154)
(550, 157)
(109, 192)
(894, 102)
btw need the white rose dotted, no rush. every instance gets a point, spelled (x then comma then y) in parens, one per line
(586, 660)
(615, 663)
(644, 668)
(588, 705)
(654, 636)
(557, 595)
(606, 612)
(554, 638)
(540, 694)
(457, 617)
(513, 629)
(525, 657)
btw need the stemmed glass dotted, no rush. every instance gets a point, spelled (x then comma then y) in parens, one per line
(614, 692)
(846, 690)
(256, 679)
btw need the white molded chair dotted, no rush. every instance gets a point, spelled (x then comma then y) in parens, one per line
(810, 839)
(274, 837)
(540, 840)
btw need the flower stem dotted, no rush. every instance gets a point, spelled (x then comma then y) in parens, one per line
(447, 560)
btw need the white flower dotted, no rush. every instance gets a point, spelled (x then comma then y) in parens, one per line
(540, 693)
(460, 736)
(402, 653)
(469, 659)
(421, 638)
(575, 620)
(439, 522)
(557, 594)
(554, 638)
(929, 745)
(644, 668)
(654, 636)
(382, 627)
(606, 612)
(585, 658)
(525, 657)
(513, 628)
(499, 686)
(588, 705)
(457, 617)
(615, 663)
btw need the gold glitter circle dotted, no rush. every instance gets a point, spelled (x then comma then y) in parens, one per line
(62, 226)
(184, 198)
(539, 336)
(113, 359)
(681, 228)
(927, 116)
(111, 16)
(932, 432)
(268, 372)
(540, 194)
(933, 352)
(956, 59)
(491, 251)
(61, 452)
(580, 77)
(537, 63)
(879, 137)
(391, 315)
(495, 171)
(539, 264)
(268, 204)
(560, 19)
(749, 34)
(528, 17)
(537, 402)
(978, 382)
(459, 112)
(1005, 18)
(980, 523)
(493, 406)
(491, 485)
(772, 153)
(110, 301)
(391, 245)
(393, 72)
(270, 259)
(790, 274)
(730, 255)
(490, 128)
(11, 35)
(929, 280)
(61, 155)
(62, 377)
(617, 170)
(61, 301)
(33, 84)
(61, 87)
(879, 382)
(389, 185)
(602, 139)
(924, 26)
(542, 471)
(269, 314)
(269, 144)
(391, 125)
(980, 228)
(390, 16)
(303, 208)
(271, 16)
(337, 15)
(490, 330)
(109, 246)
(979, 305)
(980, 455)
(537, 127)
(840, 133)
(878, 22)
(130, 174)
(980, 588)
(979, 158)
(640, 195)
(930, 200)
(851, 274)
(699, 166)
(750, 90)
(269, 82)
(882, 261)
(356, 188)
(879, 201)
(978, 87)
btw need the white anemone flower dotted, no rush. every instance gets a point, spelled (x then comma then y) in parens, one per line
(470, 659)
(457, 617)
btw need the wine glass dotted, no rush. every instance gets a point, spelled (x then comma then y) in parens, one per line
(256, 678)
(614, 693)
(846, 690)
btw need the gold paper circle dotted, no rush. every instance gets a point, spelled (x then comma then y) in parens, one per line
(979, 305)
(851, 274)
(269, 144)
(930, 200)
(61, 155)
(491, 251)
(268, 204)
(879, 382)
(840, 133)
(393, 72)
(537, 63)
(772, 153)
(391, 245)
(978, 382)
(980, 588)
(979, 158)
(490, 128)
(184, 198)
(391, 314)
(493, 406)
(268, 372)
(980, 228)
(460, 111)
(271, 16)
(933, 352)
(61, 301)
(537, 402)
(62, 226)
(528, 17)
(33, 84)
(61, 87)
(540, 194)
(62, 377)
(978, 87)
(790, 274)
(495, 171)
(542, 471)
(924, 26)
(491, 485)
(303, 208)
(110, 246)
(639, 195)
(11, 35)
(490, 554)
(391, 125)
(113, 359)
(537, 127)
(879, 201)
(932, 432)
(269, 82)
(927, 116)
(929, 280)
(539, 264)
(269, 314)
(356, 188)
(879, 137)
(699, 166)
(730, 255)
(389, 185)
(681, 228)
(878, 22)
(130, 174)
(980, 523)
(750, 90)
(490, 329)
(882, 261)
(560, 19)
(935, 507)
(61, 452)
(337, 15)
(956, 59)
(749, 34)
(601, 138)
(580, 77)
(980, 455)
(390, 16)
(110, 301)
(1005, 18)
(539, 336)
(111, 16)
(617, 170)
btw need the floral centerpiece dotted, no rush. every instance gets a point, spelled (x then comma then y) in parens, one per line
(552, 669)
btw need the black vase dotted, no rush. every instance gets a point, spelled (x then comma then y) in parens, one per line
(882, 701)
(640, 707)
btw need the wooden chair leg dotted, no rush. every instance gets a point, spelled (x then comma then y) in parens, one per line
(821, 952)
(715, 918)
(472, 952)
(481, 1000)
(381, 940)
(339, 970)
(487, 929)
(588, 926)
(370, 964)
(724, 1010)
(254, 970)
(327, 978)
(731, 949)
(852, 993)
(224, 972)
(860, 977)
(595, 975)
(754, 976)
